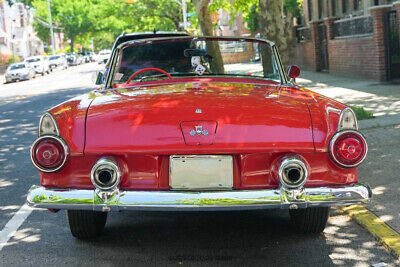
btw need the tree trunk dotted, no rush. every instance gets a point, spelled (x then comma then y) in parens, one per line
(72, 45)
(207, 29)
(273, 26)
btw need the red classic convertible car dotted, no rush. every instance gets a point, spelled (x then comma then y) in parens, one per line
(197, 123)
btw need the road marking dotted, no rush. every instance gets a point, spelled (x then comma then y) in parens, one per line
(378, 228)
(13, 224)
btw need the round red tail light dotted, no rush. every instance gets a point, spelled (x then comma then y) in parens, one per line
(49, 153)
(348, 148)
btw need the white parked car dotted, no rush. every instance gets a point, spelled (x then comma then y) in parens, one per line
(19, 72)
(58, 61)
(103, 56)
(39, 63)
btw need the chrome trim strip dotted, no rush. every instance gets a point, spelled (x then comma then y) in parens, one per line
(204, 200)
(280, 65)
(66, 153)
(332, 142)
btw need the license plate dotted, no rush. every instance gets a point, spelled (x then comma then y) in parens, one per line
(201, 172)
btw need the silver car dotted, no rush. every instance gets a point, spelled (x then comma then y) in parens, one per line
(19, 72)
(58, 61)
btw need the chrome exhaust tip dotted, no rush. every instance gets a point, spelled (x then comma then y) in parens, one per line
(105, 174)
(293, 173)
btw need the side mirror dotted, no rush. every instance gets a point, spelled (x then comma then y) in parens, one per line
(293, 72)
(100, 78)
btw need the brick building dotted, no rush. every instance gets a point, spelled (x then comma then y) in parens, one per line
(359, 38)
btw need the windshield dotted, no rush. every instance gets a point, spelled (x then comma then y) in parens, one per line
(17, 67)
(54, 57)
(195, 57)
(33, 60)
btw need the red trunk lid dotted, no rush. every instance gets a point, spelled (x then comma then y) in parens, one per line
(163, 119)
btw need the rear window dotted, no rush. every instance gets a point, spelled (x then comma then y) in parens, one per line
(18, 66)
(33, 60)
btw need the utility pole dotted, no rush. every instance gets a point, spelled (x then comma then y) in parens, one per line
(12, 40)
(51, 28)
(184, 14)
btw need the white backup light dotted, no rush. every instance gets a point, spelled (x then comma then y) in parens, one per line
(347, 120)
(48, 125)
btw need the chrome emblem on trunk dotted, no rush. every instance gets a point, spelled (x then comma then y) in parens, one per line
(199, 131)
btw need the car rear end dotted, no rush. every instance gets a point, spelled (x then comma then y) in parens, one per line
(126, 163)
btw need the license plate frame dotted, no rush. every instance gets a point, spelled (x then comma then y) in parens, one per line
(201, 172)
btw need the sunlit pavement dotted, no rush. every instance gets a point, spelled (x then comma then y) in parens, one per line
(229, 238)
(379, 98)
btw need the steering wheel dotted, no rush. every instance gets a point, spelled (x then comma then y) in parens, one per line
(148, 69)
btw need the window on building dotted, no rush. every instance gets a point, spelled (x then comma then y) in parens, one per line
(358, 4)
(334, 7)
(344, 6)
(310, 10)
(321, 9)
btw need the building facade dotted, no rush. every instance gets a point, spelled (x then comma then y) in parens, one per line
(17, 36)
(358, 38)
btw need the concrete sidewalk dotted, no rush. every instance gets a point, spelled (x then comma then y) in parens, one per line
(379, 98)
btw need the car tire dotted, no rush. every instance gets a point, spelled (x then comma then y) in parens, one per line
(310, 220)
(86, 224)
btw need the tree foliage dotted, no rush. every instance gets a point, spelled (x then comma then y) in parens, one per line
(104, 20)
(253, 21)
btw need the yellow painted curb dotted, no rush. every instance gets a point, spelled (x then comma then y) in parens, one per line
(383, 232)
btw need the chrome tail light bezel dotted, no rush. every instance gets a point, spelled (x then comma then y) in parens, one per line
(332, 144)
(63, 145)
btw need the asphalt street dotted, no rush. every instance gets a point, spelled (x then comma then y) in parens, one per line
(143, 238)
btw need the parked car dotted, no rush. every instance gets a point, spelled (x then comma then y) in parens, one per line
(58, 61)
(103, 56)
(19, 72)
(39, 63)
(85, 57)
(73, 59)
(91, 56)
(178, 125)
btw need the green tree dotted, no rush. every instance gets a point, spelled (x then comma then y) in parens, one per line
(274, 26)
(207, 28)
(253, 21)
(73, 16)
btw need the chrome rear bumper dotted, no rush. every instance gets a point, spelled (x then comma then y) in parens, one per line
(205, 200)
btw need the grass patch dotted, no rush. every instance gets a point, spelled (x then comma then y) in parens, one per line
(361, 113)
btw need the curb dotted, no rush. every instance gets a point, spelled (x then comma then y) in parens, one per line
(378, 228)
(381, 121)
